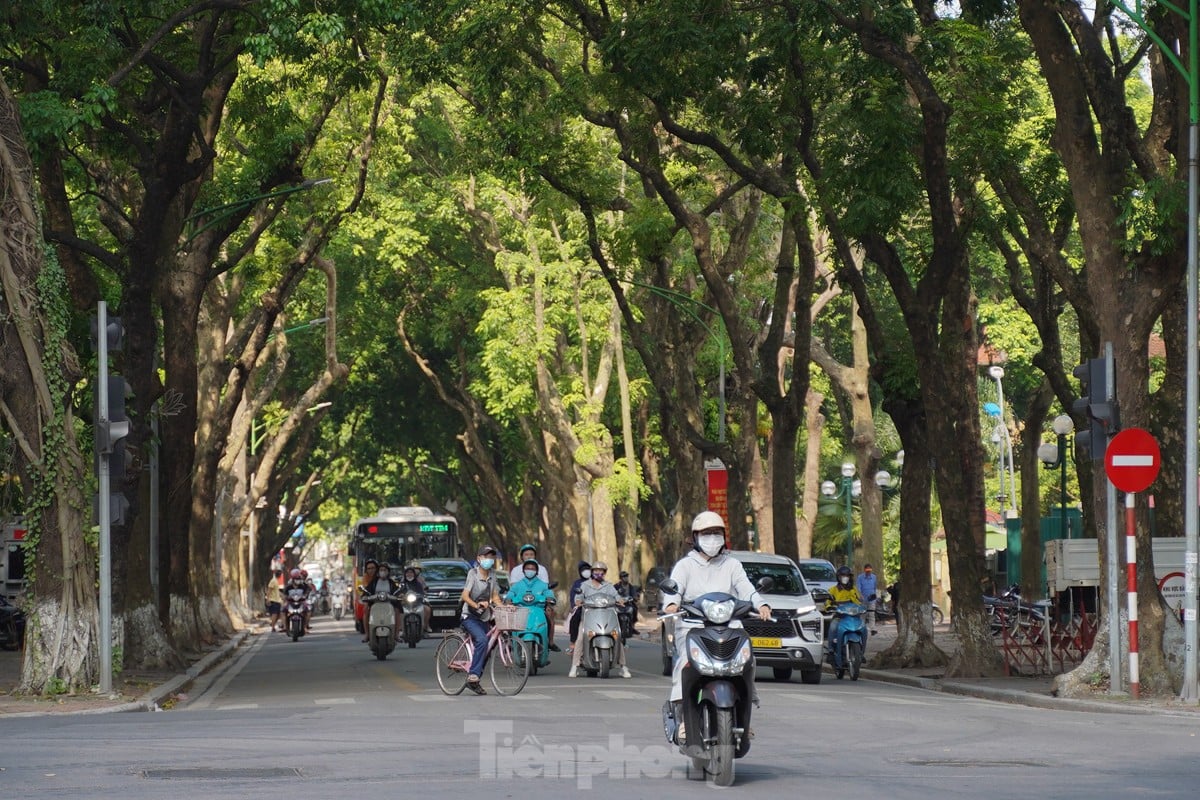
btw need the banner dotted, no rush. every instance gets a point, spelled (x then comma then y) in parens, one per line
(718, 483)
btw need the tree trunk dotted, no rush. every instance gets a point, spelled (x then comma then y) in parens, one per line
(37, 368)
(1032, 584)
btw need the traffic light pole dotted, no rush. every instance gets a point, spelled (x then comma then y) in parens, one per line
(103, 506)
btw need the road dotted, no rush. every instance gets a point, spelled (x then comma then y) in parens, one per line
(322, 717)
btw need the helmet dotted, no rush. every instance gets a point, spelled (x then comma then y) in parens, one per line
(599, 566)
(303, 573)
(624, 574)
(707, 520)
(295, 575)
(525, 547)
(414, 564)
(529, 561)
(369, 562)
(844, 570)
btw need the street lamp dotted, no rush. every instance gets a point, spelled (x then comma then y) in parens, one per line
(997, 373)
(226, 210)
(1055, 455)
(849, 490)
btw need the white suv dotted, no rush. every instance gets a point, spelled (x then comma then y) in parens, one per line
(793, 641)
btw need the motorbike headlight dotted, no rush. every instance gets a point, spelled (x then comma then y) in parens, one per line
(718, 612)
(411, 598)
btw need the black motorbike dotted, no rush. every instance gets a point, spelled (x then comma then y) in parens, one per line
(12, 625)
(627, 614)
(412, 603)
(718, 686)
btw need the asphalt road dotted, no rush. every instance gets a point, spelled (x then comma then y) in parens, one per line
(323, 717)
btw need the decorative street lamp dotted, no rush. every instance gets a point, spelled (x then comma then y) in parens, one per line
(1005, 445)
(849, 489)
(1055, 455)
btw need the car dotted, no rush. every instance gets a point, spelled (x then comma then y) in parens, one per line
(793, 641)
(650, 595)
(445, 578)
(820, 576)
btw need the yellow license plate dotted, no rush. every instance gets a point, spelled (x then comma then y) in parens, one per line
(766, 644)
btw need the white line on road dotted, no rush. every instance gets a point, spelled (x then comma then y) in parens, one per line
(218, 686)
(335, 701)
(620, 694)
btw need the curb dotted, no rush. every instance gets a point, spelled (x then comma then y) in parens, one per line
(1015, 697)
(151, 700)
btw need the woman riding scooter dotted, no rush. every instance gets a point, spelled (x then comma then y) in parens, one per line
(534, 593)
(844, 592)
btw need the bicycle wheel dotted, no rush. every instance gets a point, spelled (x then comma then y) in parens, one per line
(510, 664)
(452, 660)
(938, 616)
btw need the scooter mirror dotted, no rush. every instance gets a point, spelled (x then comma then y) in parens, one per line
(766, 583)
(668, 586)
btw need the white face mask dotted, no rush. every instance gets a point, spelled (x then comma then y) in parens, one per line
(587, 573)
(844, 581)
(711, 545)
(531, 573)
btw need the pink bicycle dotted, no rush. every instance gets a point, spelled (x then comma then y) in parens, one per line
(509, 657)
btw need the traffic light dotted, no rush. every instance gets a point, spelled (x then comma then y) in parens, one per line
(112, 422)
(1101, 410)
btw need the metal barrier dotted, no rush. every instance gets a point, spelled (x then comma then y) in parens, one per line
(1049, 649)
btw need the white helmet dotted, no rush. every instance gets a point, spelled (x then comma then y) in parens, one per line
(707, 519)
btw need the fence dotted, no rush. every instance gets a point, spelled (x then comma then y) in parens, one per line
(1052, 648)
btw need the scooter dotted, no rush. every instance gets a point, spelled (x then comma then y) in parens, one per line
(339, 604)
(413, 606)
(537, 629)
(718, 685)
(296, 606)
(846, 653)
(381, 622)
(598, 632)
(625, 617)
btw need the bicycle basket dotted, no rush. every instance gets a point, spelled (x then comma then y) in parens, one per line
(510, 618)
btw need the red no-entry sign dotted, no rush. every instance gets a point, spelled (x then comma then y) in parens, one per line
(1132, 460)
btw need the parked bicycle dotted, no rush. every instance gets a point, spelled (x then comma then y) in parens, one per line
(509, 656)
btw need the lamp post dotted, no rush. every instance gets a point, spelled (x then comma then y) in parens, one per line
(849, 489)
(997, 373)
(226, 210)
(1055, 455)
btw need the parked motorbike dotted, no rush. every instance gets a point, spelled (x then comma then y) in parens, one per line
(846, 651)
(12, 625)
(598, 632)
(537, 629)
(412, 603)
(295, 608)
(381, 622)
(1009, 613)
(718, 685)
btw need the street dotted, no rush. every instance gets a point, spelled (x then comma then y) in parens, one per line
(322, 716)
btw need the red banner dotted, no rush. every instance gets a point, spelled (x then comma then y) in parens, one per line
(718, 486)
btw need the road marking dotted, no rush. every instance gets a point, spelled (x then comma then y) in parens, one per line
(900, 701)
(620, 694)
(531, 696)
(429, 698)
(240, 707)
(336, 701)
(214, 690)
(808, 698)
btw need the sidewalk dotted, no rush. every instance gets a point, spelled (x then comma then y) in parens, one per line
(158, 689)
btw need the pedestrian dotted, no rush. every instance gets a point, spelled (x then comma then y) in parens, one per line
(868, 589)
(274, 598)
(480, 594)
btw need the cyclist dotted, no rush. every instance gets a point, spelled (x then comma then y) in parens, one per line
(480, 594)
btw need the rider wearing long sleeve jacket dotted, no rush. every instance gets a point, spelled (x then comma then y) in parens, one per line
(843, 592)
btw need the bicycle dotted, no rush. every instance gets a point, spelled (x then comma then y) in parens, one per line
(509, 656)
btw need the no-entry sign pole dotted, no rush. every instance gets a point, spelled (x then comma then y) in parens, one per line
(1131, 590)
(1131, 462)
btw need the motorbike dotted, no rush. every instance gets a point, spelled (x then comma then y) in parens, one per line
(381, 622)
(536, 630)
(718, 686)
(339, 604)
(626, 613)
(846, 652)
(295, 607)
(12, 625)
(1009, 615)
(598, 632)
(412, 603)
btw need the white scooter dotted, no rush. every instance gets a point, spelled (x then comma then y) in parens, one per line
(339, 604)
(599, 632)
(381, 622)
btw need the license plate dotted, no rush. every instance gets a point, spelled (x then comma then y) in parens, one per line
(443, 612)
(766, 644)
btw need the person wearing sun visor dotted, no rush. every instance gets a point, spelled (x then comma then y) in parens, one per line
(707, 569)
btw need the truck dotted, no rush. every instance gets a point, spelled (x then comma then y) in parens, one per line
(1074, 563)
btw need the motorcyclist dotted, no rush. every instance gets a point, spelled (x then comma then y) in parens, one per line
(573, 614)
(529, 551)
(530, 582)
(296, 581)
(706, 569)
(596, 586)
(412, 580)
(631, 595)
(844, 591)
(383, 582)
